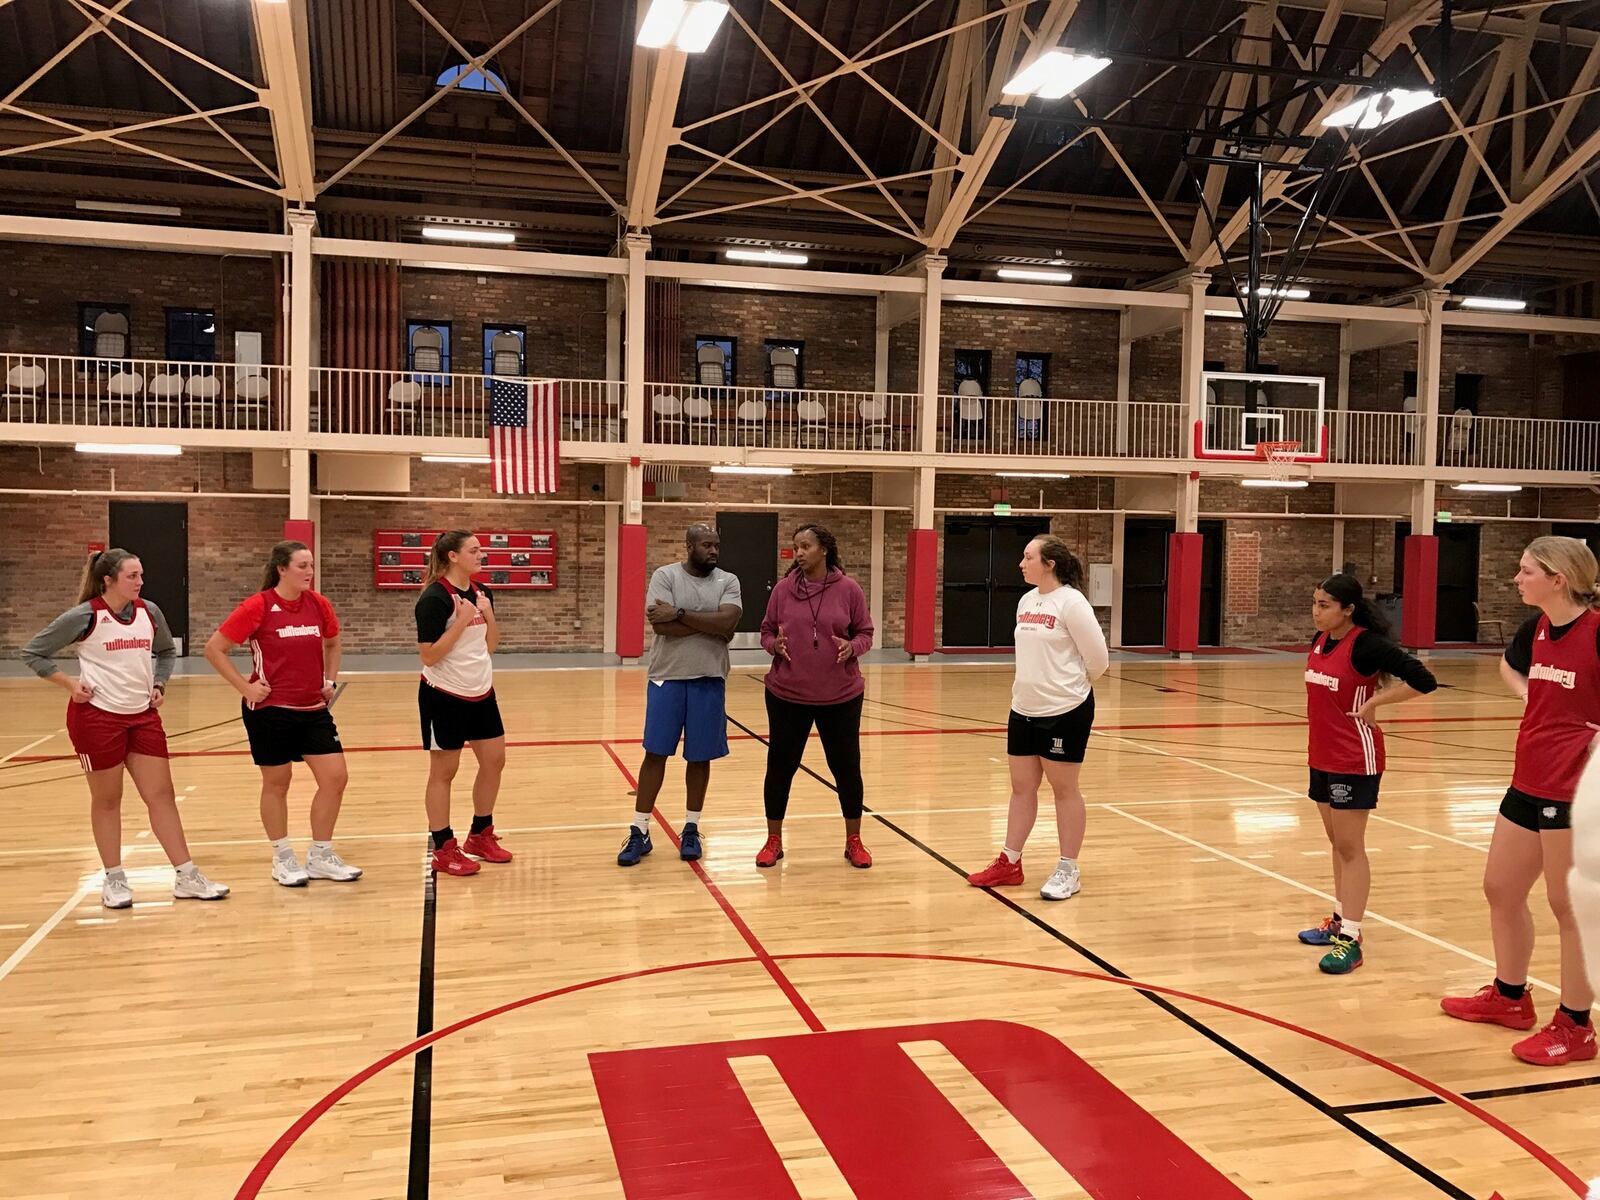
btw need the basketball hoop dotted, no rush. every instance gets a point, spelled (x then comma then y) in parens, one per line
(1280, 458)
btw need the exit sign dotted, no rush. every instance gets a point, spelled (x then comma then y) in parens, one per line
(1002, 510)
(1442, 517)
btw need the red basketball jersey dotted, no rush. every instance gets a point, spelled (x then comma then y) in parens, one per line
(1563, 697)
(285, 640)
(1338, 742)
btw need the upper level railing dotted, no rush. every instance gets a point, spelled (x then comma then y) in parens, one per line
(1044, 428)
(799, 418)
(52, 389)
(1518, 443)
(410, 404)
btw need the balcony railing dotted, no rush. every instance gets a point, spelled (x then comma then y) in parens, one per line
(409, 404)
(799, 418)
(1040, 428)
(1518, 443)
(1381, 439)
(50, 389)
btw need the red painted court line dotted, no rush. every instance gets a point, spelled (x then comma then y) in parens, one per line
(766, 960)
(744, 737)
(253, 1183)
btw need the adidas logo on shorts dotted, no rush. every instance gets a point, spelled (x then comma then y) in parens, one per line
(1550, 813)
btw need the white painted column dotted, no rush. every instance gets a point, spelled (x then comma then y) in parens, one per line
(1341, 400)
(1429, 357)
(1124, 376)
(928, 351)
(880, 346)
(1119, 533)
(302, 270)
(1192, 365)
(875, 575)
(638, 245)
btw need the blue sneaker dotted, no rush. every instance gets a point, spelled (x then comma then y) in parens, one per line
(1323, 934)
(635, 848)
(689, 843)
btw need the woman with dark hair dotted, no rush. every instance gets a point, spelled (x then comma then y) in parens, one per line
(1352, 670)
(456, 634)
(1060, 652)
(816, 627)
(293, 635)
(1553, 663)
(125, 657)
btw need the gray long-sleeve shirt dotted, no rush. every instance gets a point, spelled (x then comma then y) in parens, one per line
(74, 625)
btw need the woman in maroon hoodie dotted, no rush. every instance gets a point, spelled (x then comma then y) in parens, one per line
(816, 626)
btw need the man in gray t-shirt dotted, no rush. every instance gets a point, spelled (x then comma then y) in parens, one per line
(693, 607)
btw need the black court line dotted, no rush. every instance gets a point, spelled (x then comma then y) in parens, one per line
(1527, 1089)
(1330, 1111)
(422, 1077)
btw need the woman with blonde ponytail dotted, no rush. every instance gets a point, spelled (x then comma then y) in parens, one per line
(125, 657)
(1554, 664)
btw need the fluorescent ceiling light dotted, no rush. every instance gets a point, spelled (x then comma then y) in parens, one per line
(1056, 74)
(739, 470)
(786, 257)
(1486, 487)
(1034, 275)
(468, 233)
(1493, 303)
(143, 210)
(1379, 108)
(1283, 293)
(1275, 483)
(479, 459)
(147, 449)
(1032, 475)
(687, 24)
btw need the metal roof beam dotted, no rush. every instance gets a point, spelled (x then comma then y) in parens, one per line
(283, 40)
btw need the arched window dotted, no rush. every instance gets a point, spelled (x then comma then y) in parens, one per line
(473, 79)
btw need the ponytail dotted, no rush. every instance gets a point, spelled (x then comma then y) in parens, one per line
(444, 546)
(1063, 562)
(1346, 589)
(107, 564)
(281, 556)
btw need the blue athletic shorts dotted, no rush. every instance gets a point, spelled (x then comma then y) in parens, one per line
(694, 709)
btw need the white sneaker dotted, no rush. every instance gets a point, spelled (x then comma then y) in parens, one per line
(115, 893)
(192, 885)
(325, 864)
(286, 869)
(1063, 884)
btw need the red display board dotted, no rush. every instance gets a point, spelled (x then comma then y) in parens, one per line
(524, 561)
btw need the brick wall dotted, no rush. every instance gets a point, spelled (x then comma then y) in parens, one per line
(839, 333)
(1081, 343)
(44, 284)
(565, 318)
(42, 559)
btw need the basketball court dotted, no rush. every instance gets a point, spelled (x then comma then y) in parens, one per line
(564, 1027)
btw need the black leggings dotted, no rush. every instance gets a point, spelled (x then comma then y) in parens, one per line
(789, 725)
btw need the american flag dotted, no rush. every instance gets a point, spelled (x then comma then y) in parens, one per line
(524, 437)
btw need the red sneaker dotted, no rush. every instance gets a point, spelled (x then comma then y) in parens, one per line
(1487, 1006)
(771, 852)
(855, 853)
(1002, 872)
(1560, 1042)
(448, 860)
(486, 846)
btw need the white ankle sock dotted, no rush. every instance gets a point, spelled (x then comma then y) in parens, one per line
(1069, 865)
(283, 848)
(641, 822)
(322, 847)
(116, 873)
(186, 867)
(1012, 856)
(690, 817)
(1351, 929)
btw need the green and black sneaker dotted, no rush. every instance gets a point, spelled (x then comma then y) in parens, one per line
(1344, 957)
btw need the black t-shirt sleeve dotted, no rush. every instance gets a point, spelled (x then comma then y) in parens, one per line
(1373, 655)
(1519, 654)
(433, 613)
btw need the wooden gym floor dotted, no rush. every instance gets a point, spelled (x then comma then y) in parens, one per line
(976, 1046)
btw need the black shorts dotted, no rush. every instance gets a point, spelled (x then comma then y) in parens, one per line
(279, 736)
(1061, 738)
(1344, 791)
(449, 722)
(1530, 812)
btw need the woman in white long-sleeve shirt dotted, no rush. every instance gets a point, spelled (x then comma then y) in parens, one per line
(1060, 653)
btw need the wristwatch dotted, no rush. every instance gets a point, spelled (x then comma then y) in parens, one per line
(679, 615)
